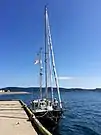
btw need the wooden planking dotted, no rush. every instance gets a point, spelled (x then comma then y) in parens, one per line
(14, 120)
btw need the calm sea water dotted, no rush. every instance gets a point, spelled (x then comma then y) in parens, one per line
(82, 114)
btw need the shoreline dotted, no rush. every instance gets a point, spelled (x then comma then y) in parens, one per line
(8, 93)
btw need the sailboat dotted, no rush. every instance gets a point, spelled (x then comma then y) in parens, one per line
(48, 111)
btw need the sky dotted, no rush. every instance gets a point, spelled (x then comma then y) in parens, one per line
(76, 36)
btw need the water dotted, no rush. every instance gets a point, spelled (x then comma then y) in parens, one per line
(82, 115)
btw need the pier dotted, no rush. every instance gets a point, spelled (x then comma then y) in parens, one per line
(14, 120)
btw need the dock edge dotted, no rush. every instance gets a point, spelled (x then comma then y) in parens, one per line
(34, 120)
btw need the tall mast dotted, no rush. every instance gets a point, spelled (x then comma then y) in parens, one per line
(52, 57)
(46, 86)
(50, 70)
(40, 62)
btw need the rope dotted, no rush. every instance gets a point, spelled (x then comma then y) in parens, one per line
(42, 115)
(50, 69)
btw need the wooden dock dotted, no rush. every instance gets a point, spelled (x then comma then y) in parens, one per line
(14, 120)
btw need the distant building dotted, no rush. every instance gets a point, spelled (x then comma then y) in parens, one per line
(2, 90)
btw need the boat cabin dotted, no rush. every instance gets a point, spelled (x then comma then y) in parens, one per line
(43, 105)
(38, 105)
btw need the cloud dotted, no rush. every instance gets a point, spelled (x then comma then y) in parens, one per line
(65, 78)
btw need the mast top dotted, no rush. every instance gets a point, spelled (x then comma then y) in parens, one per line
(45, 8)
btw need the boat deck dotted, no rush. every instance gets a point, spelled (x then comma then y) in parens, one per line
(14, 120)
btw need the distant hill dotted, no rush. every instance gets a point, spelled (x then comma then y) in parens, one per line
(17, 89)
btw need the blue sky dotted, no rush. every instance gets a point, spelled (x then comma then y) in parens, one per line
(76, 34)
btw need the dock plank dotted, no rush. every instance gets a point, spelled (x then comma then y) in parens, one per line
(14, 120)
